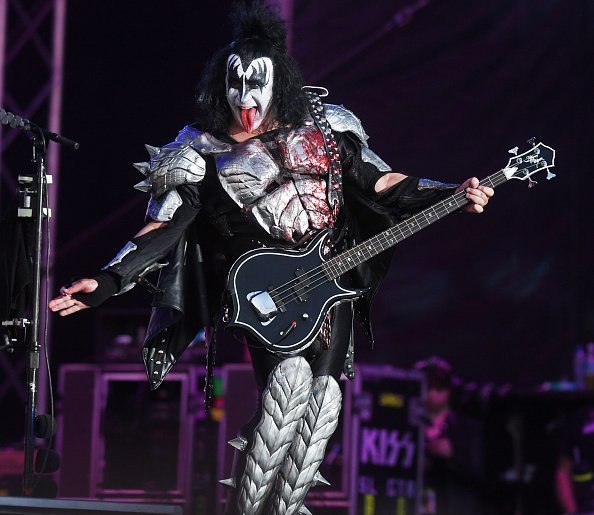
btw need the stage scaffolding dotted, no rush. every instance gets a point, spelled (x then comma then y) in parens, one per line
(31, 77)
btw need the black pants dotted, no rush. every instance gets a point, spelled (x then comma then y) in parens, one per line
(326, 362)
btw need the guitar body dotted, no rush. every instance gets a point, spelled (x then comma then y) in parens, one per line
(300, 291)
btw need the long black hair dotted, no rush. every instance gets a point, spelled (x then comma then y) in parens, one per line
(259, 32)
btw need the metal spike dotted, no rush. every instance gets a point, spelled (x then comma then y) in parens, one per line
(514, 151)
(550, 175)
(304, 511)
(240, 443)
(318, 478)
(230, 482)
(153, 151)
(143, 186)
(143, 167)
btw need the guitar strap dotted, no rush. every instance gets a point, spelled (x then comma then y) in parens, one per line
(316, 109)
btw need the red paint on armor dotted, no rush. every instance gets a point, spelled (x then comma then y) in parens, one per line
(302, 151)
(303, 154)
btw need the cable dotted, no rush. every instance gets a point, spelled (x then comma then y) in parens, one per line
(45, 330)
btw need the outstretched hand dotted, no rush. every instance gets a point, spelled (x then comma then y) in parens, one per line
(477, 195)
(64, 304)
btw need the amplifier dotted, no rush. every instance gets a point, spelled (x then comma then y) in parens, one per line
(120, 441)
(388, 454)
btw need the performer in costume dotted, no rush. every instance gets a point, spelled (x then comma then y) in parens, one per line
(267, 164)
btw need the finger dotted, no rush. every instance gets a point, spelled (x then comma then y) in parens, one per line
(82, 286)
(69, 311)
(477, 199)
(473, 182)
(59, 303)
(487, 191)
(66, 303)
(76, 287)
(76, 306)
(474, 208)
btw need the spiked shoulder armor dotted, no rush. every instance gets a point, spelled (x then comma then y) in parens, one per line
(343, 120)
(179, 162)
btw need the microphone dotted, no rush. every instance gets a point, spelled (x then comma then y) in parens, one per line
(18, 122)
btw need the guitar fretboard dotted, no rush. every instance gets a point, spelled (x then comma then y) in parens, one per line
(348, 260)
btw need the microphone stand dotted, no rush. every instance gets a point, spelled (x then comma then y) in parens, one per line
(37, 189)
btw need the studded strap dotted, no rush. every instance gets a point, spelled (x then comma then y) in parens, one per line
(316, 109)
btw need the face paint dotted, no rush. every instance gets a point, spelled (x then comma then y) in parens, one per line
(249, 91)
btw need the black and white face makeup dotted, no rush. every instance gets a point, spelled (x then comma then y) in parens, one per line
(249, 90)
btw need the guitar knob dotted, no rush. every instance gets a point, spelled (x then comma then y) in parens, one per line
(305, 316)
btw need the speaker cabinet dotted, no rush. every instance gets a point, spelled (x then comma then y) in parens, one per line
(120, 441)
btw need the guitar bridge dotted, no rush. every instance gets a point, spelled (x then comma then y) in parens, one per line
(263, 305)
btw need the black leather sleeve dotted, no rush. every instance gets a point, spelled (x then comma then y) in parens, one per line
(356, 173)
(152, 247)
(408, 198)
(405, 197)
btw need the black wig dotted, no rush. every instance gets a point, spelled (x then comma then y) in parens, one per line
(258, 32)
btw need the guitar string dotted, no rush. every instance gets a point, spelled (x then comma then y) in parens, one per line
(335, 266)
(374, 240)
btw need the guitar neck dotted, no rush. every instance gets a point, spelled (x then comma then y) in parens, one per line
(371, 247)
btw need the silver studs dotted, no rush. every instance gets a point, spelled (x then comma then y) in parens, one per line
(153, 151)
(230, 481)
(240, 443)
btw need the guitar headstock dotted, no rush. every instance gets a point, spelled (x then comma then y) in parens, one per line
(524, 165)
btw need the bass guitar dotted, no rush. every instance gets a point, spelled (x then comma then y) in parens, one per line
(282, 296)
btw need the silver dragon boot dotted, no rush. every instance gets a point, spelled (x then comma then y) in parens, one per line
(299, 471)
(284, 403)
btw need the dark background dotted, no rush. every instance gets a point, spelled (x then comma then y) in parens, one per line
(444, 88)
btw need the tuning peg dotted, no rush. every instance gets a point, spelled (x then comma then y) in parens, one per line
(550, 175)
(513, 151)
(531, 183)
(532, 141)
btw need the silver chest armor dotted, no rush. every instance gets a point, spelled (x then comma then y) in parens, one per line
(288, 197)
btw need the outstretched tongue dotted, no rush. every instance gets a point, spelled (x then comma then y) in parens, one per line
(247, 118)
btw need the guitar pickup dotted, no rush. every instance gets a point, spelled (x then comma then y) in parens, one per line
(263, 305)
(302, 285)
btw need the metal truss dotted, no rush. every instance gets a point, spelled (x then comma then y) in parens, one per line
(31, 64)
